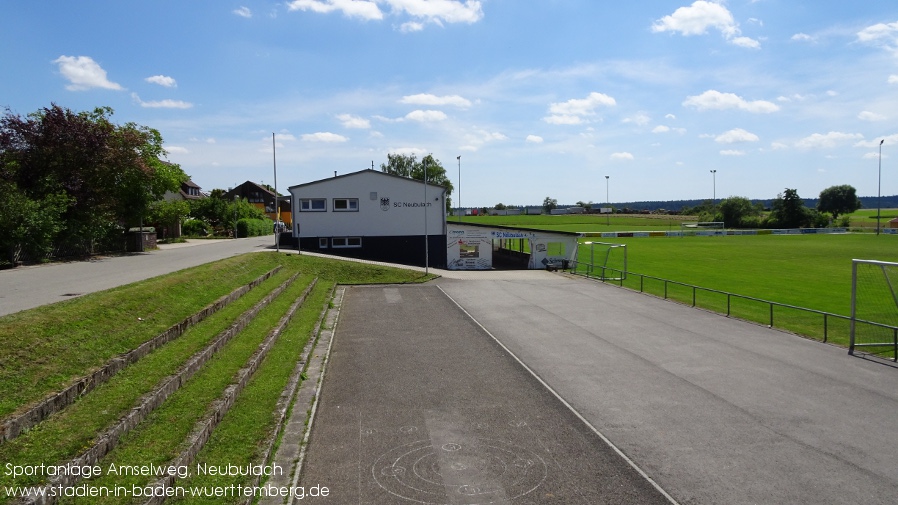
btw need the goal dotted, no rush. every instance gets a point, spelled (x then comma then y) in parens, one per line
(603, 260)
(874, 308)
(702, 229)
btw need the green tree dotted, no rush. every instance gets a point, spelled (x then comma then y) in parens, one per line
(221, 214)
(549, 204)
(789, 210)
(499, 206)
(109, 174)
(836, 200)
(407, 165)
(735, 210)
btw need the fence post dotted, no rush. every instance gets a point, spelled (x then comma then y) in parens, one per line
(728, 304)
(771, 315)
(693, 296)
(824, 328)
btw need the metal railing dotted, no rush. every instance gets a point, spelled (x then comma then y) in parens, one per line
(816, 324)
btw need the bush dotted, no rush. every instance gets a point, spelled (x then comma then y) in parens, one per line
(194, 228)
(254, 227)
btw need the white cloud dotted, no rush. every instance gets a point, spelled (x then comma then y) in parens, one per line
(881, 34)
(363, 9)
(350, 121)
(746, 42)
(84, 73)
(870, 116)
(428, 99)
(640, 119)
(162, 104)
(712, 99)
(621, 156)
(670, 116)
(176, 150)
(534, 139)
(661, 129)
(574, 110)
(323, 137)
(803, 37)
(828, 140)
(162, 80)
(701, 16)
(893, 79)
(243, 12)
(426, 116)
(889, 140)
(422, 11)
(582, 106)
(736, 135)
(411, 27)
(732, 152)
(778, 146)
(559, 119)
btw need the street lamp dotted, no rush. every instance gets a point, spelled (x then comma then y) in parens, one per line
(460, 211)
(714, 176)
(607, 202)
(879, 187)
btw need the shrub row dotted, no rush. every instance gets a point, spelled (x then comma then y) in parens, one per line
(253, 228)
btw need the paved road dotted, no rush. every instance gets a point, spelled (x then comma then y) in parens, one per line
(32, 286)
(420, 405)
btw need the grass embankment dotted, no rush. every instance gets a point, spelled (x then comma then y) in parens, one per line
(109, 320)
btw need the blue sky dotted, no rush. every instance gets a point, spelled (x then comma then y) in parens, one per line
(538, 97)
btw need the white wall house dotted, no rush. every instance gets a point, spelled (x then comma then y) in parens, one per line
(372, 215)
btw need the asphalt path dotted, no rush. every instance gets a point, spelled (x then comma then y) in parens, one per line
(715, 410)
(421, 405)
(32, 286)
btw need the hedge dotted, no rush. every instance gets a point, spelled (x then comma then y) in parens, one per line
(254, 227)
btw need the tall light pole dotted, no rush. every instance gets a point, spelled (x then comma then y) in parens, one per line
(277, 208)
(714, 194)
(426, 239)
(607, 202)
(879, 187)
(460, 211)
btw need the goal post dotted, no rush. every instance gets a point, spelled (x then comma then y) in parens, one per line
(602, 260)
(874, 308)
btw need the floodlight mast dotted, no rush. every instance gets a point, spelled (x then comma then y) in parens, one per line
(879, 187)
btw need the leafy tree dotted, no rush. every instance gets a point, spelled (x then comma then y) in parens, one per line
(407, 165)
(109, 174)
(735, 211)
(29, 224)
(789, 211)
(168, 212)
(549, 204)
(499, 206)
(221, 213)
(837, 200)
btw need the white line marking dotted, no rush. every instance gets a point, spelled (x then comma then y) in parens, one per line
(568, 405)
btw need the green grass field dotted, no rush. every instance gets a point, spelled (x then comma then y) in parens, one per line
(809, 271)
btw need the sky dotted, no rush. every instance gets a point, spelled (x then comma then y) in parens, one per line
(520, 100)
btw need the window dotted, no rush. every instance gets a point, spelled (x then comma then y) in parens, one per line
(346, 242)
(322, 243)
(346, 204)
(312, 205)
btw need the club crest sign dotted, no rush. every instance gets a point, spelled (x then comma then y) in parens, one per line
(384, 204)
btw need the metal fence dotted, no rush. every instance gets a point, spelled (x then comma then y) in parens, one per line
(816, 324)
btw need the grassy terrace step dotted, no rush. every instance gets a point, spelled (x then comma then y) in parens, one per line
(164, 435)
(105, 324)
(27, 418)
(66, 435)
(46, 349)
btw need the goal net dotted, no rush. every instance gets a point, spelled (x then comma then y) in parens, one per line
(602, 260)
(874, 308)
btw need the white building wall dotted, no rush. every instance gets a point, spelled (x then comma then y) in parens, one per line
(387, 206)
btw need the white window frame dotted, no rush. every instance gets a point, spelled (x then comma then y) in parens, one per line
(306, 204)
(352, 204)
(346, 242)
(322, 243)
